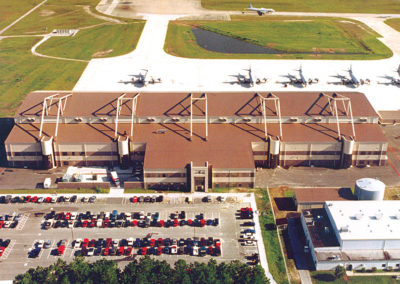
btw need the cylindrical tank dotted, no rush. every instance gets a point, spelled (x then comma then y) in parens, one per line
(347, 157)
(47, 148)
(348, 146)
(273, 157)
(274, 147)
(369, 189)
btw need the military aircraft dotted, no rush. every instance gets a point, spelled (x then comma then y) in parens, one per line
(393, 81)
(142, 79)
(352, 80)
(249, 80)
(300, 80)
(260, 11)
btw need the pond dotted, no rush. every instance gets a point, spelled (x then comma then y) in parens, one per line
(225, 44)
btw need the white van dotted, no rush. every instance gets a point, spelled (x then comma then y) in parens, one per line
(47, 183)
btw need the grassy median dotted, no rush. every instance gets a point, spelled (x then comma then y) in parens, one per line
(394, 23)
(292, 37)
(338, 6)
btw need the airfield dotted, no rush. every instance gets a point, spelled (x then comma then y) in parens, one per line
(206, 75)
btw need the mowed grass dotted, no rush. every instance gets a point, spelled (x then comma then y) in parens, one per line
(394, 23)
(111, 40)
(339, 6)
(295, 37)
(12, 10)
(21, 73)
(275, 260)
(49, 17)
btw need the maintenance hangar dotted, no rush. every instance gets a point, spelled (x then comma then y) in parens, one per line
(196, 140)
(353, 234)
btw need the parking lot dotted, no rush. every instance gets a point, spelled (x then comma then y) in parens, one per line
(15, 259)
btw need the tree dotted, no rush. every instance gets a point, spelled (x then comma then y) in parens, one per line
(340, 271)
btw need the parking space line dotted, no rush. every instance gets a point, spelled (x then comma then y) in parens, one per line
(8, 250)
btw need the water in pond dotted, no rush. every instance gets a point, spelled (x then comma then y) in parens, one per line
(225, 44)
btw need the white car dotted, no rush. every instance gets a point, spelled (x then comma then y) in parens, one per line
(107, 215)
(67, 198)
(115, 242)
(39, 243)
(195, 250)
(99, 223)
(130, 242)
(90, 252)
(174, 250)
(77, 243)
(74, 215)
(53, 200)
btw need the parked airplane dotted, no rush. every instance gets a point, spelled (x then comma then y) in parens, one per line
(300, 80)
(393, 81)
(353, 80)
(260, 11)
(249, 80)
(142, 79)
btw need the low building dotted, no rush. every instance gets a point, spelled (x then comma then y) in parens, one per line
(354, 234)
(315, 197)
(196, 141)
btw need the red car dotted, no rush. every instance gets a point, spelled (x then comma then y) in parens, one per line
(85, 223)
(106, 251)
(159, 251)
(128, 251)
(210, 250)
(202, 222)
(134, 223)
(1, 224)
(159, 242)
(108, 242)
(162, 223)
(85, 243)
(105, 223)
(152, 242)
(143, 251)
(190, 222)
(34, 199)
(217, 243)
(92, 224)
(27, 199)
(68, 216)
(60, 250)
(47, 200)
(92, 243)
(176, 222)
(2, 249)
(134, 199)
(121, 251)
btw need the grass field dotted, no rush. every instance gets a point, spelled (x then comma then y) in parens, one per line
(111, 40)
(322, 277)
(394, 23)
(339, 6)
(21, 73)
(348, 39)
(12, 10)
(270, 237)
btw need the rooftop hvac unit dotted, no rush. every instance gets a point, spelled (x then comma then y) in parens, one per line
(317, 119)
(78, 119)
(363, 119)
(30, 119)
(378, 216)
(397, 216)
(223, 119)
(359, 216)
(151, 119)
(293, 119)
(161, 131)
(247, 119)
(103, 118)
(175, 119)
(344, 229)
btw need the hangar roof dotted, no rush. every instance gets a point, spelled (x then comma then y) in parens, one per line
(178, 104)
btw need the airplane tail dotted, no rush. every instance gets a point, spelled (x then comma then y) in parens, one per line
(250, 6)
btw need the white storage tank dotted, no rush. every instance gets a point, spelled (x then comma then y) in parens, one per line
(369, 189)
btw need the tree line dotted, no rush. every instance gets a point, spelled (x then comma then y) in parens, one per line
(146, 270)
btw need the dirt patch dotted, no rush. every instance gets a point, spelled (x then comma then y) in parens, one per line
(46, 13)
(102, 53)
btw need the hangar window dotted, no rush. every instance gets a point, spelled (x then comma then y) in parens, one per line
(383, 265)
(64, 153)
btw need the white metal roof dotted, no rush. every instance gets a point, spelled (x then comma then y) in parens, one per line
(365, 220)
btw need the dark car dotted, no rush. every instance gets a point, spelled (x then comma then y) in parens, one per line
(147, 199)
(202, 251)
(182, 215)
(160, 198)
(2, 199)
(181, 242)
(216, 222)
(73, 198)
(5, 243)
(34, 253)
(15, 199)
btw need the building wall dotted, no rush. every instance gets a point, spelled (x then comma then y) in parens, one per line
(24, 154)
(373, 154)
(357, 265)
(165, 179)
(232, 178)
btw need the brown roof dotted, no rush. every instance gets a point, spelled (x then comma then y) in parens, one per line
(317, 195)
(178, 104)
